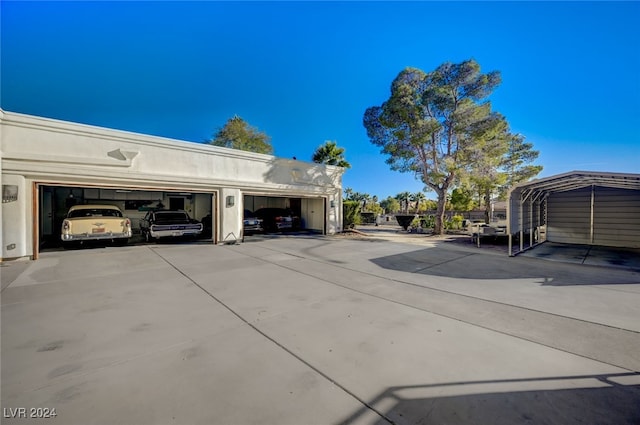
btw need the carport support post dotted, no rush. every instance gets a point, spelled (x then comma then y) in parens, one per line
(538, 220)
(510, 207)
(521, 223)
(530, 223)
(593, 199)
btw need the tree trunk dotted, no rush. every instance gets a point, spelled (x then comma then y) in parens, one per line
(438, 228)
(487, 207)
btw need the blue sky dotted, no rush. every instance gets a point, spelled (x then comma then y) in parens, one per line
(306, 72)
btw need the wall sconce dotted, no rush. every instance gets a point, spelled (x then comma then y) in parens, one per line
(332, 203)
(231, 201)
(9, 193)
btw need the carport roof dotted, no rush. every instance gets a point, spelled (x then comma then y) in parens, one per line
(576, 180)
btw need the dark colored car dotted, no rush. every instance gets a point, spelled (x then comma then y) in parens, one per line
(251, 223)
(275, 219)
(207, 226)
(169, 224)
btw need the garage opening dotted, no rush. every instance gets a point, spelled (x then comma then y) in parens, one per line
(54, 201)
(307, 214)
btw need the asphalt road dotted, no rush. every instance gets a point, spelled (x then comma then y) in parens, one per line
(317, 330)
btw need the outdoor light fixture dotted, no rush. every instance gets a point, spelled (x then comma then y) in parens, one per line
(231, 201)
(9, 193)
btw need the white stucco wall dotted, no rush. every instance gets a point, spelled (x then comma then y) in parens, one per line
(35, 149)
(231, 211)
(16, 224)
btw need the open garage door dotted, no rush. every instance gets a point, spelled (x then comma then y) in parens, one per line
(54, 201)
(309, 213)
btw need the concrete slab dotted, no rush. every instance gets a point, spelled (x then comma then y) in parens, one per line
(626, 258)
(318, 330)
(554, 287)
(9, 271)
(614, 257)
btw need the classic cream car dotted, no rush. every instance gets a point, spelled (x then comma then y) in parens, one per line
(95, 222)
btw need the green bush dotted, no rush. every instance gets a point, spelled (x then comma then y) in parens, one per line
(427, 221)
(350, 214)
(367, 217)
(455, 222)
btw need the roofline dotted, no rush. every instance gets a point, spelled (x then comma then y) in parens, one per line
(578, 173)
(45, 123)
(562, 182)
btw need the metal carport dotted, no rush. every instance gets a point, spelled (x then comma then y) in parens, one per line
(579, 207)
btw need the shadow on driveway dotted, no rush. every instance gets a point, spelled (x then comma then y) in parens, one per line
(600, 399)
(467, 265)
(594, 255)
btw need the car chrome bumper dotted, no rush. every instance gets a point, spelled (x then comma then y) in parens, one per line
(174, 233)
(94, 236)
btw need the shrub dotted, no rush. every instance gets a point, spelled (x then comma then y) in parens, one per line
(427, 221)
(455, 222)
(368, 217)
(350, 214)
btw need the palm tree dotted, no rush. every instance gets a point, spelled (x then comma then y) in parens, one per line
(403, 198)
(348, 194)
(418, 198)
(360, 197)
(365, 200)
(330, 154)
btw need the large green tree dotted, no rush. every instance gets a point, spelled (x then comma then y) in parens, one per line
(517, 163)
(499, 163)
(431, 120)
(329, 153)
(238, 134)
(461, 199)
(390, 205)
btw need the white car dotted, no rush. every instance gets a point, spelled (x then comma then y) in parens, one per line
(93, 223)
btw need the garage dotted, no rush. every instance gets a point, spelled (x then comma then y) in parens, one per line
(54, 202)
(50, 165)
(308, 213)
(579, 207)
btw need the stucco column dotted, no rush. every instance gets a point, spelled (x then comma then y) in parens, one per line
(334, 216)
(230, 206)
(16, 218)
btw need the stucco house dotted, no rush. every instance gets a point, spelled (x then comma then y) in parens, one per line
(48, 165)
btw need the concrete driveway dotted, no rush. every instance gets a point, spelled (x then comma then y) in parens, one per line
(317, 330)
